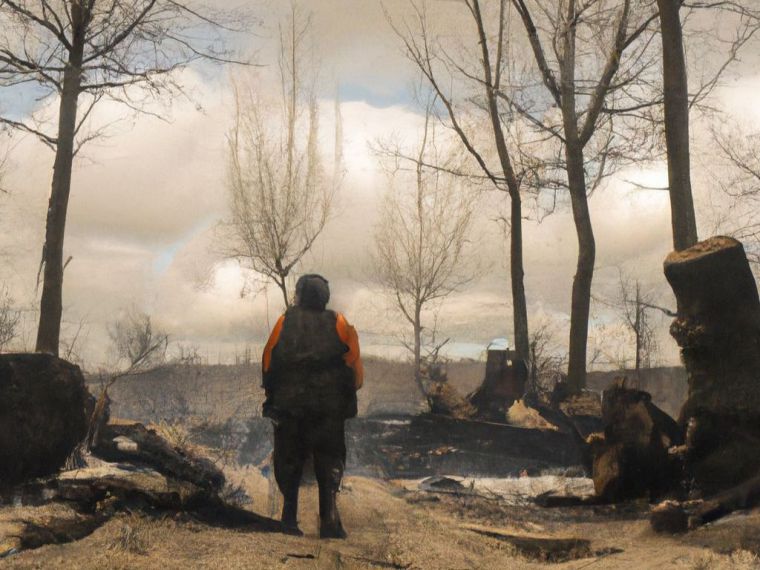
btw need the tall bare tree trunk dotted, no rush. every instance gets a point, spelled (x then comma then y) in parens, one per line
(51, 302)
(581, 296)
(580, 304)
(637, 327)
(517, 273)
(676, 102)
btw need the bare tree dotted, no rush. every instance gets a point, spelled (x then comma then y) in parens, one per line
(420, 242)
(596, 99)
(10, 317)
(546, 362)
(735, 169)
(280, 194)
(136, 344)
(80, 52)
(634, 306)
(479, 87)
(677, 100)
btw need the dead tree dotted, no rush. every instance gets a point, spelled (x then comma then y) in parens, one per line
(420, 242)
(678, 101)
(466, 114)
(280, 194)
(80, 52)
(634, 306)
(737, 175)
(10, 317)
(595, 106)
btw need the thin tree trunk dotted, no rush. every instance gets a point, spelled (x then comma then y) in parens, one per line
(584, 273)
(519, 303)
(637, 327)
(282, 284)
(580, 304)
(418, 351)
(51, 302)
(517, 272)
(676, 103)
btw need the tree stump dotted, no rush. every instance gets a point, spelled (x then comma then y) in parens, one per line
(718, 331)
(44, 411)
(631, 460)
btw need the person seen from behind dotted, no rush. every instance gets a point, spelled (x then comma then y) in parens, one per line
(311, 370)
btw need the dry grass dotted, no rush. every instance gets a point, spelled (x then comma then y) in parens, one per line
(132, 536)
(736, 560)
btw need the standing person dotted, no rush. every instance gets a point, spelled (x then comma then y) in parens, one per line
(311, 371)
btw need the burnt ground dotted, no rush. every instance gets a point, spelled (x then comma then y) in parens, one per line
(390, 527)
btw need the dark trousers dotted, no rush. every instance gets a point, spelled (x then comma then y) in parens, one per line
(295, 439)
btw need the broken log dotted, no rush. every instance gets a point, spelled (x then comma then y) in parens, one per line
(44, 410)
(675, 517)
(134, 443)
(631, 461)
(131, 485)
(718, 331)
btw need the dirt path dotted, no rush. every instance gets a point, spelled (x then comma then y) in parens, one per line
(390, 529)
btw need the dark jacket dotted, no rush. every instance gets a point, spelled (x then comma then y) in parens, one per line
(311, 365)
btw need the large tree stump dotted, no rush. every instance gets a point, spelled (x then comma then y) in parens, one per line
(44, 410)
(504, 383)
(718, 330)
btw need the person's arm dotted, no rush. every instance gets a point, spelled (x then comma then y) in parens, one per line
(352, 358)
(266, 358)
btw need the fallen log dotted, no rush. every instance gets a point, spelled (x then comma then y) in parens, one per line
(131, 485)
(675, 517)
(134, 443)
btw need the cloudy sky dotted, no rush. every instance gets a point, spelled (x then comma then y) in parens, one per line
(146, 203)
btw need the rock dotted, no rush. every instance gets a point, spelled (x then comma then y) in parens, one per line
(44, 411)
(718, 331)
(631, 460)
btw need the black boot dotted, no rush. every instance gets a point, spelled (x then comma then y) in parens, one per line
(329, 518)
(289, 517)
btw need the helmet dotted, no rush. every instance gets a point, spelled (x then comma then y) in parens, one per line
(312, 292)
